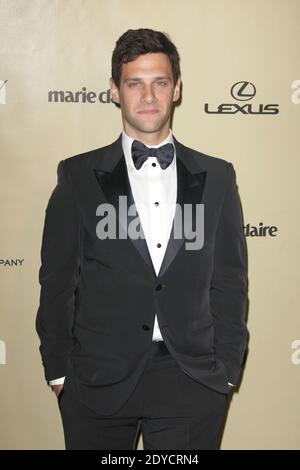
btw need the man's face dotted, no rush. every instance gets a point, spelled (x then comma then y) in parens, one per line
(146, 94)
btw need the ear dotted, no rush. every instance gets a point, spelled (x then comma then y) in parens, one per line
(176, 92)
(114, 91)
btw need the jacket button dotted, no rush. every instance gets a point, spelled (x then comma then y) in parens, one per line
(146, 327)
(159, 286)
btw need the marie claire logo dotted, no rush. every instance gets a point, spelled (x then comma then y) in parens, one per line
(260, 230)
(188, 222)
(242, 91)
(80, 96)
(3, 91)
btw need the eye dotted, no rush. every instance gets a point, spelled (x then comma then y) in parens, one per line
(162, 83)
(133, 84)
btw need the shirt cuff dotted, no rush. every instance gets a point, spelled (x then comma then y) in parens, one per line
(59, 381)
(231, 384)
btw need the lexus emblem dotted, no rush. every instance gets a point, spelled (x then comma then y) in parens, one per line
(243, 91)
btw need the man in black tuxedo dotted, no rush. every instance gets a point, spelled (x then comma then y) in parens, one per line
(143, 275)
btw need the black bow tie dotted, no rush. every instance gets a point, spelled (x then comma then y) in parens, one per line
(141, 152)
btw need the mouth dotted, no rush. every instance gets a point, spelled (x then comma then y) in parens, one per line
(148, 111)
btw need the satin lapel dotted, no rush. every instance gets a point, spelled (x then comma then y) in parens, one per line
(190, 186)
(114, 182)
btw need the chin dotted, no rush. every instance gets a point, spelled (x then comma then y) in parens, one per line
(150, 127)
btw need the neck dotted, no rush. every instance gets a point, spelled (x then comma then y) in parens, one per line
(153, 138)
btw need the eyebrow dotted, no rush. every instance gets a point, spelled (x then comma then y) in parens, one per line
(138, 79)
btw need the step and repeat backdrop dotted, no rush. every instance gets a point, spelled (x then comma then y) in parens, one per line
(240, 69)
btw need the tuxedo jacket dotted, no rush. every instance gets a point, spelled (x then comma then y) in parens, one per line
(99, 297)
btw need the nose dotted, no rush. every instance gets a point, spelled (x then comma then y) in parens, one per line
(148, 95)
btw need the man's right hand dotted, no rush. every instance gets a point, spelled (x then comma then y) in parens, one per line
(57, 389)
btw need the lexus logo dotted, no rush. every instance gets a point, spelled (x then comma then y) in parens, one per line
(243, 91)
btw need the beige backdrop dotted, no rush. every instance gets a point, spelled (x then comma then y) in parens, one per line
(64, 45)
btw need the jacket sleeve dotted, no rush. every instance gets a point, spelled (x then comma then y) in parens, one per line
(228, 292)
(58, 276)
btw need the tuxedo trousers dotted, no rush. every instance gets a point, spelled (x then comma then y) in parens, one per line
(168, 407)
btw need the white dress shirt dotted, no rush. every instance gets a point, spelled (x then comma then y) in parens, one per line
(154, 192)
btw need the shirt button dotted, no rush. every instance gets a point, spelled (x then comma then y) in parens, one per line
(153, 164)
(158, 245)
(156, 203)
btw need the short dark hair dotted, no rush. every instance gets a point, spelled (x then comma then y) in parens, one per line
(136, 42)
